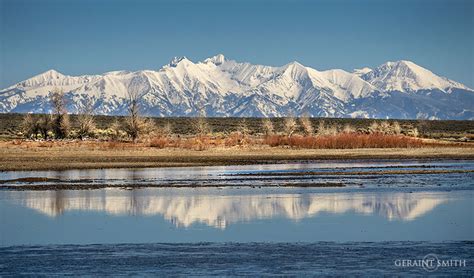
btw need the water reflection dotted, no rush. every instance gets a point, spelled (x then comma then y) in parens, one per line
(219, 210)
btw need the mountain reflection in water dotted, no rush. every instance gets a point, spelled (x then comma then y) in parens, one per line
(219, 210)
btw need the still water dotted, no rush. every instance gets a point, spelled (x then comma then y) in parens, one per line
(230, 214)
(251, 227)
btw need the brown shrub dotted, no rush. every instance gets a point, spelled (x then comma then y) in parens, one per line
(345, 141)
(237, 139)
(199, 143)
(46, 144)
(17, 142)
(159, 142)
(275, 140)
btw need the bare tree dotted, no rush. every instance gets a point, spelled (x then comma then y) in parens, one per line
(374, 128)
(385, 127)
(30, 126)
(268, 126)
(44, 125)
(115, 129)
(348, 129)
(422, 127)
(86, 120)
(414, 132)
(135, 125)
(200, 124)
(243, 127)
(306, 124)
(397, 129)
(167, 129)
(324, 130)
(61, 124)
(290, 126)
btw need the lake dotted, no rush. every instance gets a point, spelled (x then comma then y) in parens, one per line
(242, 217)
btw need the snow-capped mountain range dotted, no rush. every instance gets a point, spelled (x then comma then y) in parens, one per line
(224, 87)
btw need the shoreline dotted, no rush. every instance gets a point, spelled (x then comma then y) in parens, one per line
(95, 156)
(279, 180)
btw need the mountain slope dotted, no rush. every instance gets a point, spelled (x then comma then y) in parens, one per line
(406, 76)
(223, 87)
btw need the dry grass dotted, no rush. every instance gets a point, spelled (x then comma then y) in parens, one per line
(241, 145)
(346, 141)
(63, 155)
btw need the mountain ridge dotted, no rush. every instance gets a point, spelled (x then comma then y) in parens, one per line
(225, 87)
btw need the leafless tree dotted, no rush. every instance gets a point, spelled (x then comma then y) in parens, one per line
(200, 124)
(167, 129)
(86, 120)
(61, 125)
(348, 129)
(307, 126)
(243, 127)
(30, 126)
(115, 129)
(374, 128)
(324, 130)
(385, 128)
(135, 125)
(290, 126)
(267, 125)
(397, 129)
(45, 122)
(422, 127)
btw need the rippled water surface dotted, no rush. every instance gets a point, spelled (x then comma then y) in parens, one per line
(235, 259)
(350, 174)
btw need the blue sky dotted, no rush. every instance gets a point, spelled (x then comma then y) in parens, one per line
(87, 37)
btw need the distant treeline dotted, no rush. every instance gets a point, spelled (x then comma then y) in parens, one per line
(10, 124)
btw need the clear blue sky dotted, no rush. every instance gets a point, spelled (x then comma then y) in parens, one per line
(87, 37)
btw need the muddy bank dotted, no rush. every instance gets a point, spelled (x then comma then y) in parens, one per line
(358, 173)
(73, 157)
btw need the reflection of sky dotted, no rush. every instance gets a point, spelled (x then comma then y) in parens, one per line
(195, 215)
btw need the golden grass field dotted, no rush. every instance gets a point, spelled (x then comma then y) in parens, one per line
(62, 155)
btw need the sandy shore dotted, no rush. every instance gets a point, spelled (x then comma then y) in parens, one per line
(73, 155)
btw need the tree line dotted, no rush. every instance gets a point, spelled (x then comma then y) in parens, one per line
(57, 124)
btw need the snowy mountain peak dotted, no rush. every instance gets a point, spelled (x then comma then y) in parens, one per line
(217, 60)
(399, 89)
(295, 70)
(362, 71)
(50, 76)
(406, 76)
(348, 85)
(177, 60)
(294, 65)
(53, 73)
